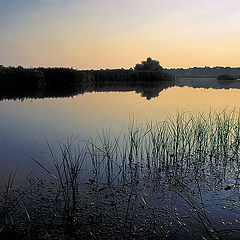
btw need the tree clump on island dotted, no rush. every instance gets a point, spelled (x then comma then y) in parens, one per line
(148, 65)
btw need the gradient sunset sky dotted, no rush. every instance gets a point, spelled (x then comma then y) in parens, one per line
(88, 34)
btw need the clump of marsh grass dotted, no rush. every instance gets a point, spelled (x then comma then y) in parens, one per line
(67, 168)
(190, 152)
(11, 207)
(118, 156)
(184, 143)
(8, 202)
(104, 155)
(193, 151)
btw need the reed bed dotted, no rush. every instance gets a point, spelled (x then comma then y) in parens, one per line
(179, 144)
(189, 152)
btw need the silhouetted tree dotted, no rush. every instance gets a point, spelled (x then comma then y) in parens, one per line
(148, 65)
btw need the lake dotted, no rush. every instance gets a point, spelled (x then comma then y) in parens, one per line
(26, 125)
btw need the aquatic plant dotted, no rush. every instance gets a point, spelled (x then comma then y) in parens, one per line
(67, 168)
(126, 173)
(180, 143)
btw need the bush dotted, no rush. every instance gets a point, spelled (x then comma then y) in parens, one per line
(148, 65)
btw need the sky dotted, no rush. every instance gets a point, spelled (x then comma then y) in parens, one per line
(95, 34)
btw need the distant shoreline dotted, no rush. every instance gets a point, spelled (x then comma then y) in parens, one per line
(21, 83)
(40, 82)
(195, 72)
(204, 72)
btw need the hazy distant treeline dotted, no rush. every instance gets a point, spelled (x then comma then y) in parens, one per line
(204, 72)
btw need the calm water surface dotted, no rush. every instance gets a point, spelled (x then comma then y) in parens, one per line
(25, 125)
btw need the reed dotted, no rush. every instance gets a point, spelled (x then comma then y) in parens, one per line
(179, 143)
(187, 152)
(67, 168)
(11, 207)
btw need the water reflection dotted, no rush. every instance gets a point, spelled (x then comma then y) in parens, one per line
(24, 125)
(207, 83)
(147, 89)
(84, 109)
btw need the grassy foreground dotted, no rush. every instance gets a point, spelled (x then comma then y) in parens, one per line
(176, 179)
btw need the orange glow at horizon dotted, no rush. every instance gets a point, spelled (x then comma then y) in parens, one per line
(112, 34)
